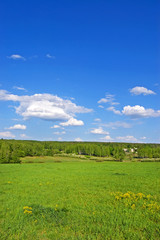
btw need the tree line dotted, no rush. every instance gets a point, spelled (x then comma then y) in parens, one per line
(12, 150)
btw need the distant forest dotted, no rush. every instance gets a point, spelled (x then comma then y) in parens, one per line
(12, 150)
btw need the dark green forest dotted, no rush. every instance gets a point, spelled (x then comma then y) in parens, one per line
(11, 151)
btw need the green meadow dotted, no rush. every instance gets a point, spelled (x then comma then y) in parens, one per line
(80, 200)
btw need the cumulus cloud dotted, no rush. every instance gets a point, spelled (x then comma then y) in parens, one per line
(107, 138)
(78, 139)
(6, 134)
(44, 106)
(72, 122)
(140, 112)
(17, 127)
(16, 57)
(114, 110)
(141, 90)
(99, 131)
(127, 139)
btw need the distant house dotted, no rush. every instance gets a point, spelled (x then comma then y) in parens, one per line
(125, 149)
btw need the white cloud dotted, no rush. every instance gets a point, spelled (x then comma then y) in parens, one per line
(100, 106)
(141, 90)
(20, 88)
(143, 138)
(6, 134)
(17, 127)
(107, 138)
(108, 99)
(59, 139)
(139, 111)
(59, 133)
(103, 100)
(16, 57)
(72, 122)
(23, 135)
(44, 106)
(17, 119)
(127, 139)
(99, 131)
(117, 124)
(50, 56)
(78, 139)
(97, 120)
(114, 110)
(56, 126)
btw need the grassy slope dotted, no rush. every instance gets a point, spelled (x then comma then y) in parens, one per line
(86, 209)
(64, 158)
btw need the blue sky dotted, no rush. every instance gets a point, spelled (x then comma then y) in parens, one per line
(80, 70)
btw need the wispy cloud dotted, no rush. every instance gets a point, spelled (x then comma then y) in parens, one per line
(143, 138)
(59, 133)
(127, 139)
(20, 88)
(33, 57)
(112, 109)
(23, 135)
(16, 57)
(100, 106)
(59, 139)
(141, 90)
(50, 56)
(56, 126)
(109, 98)
(97, 120)
(6, 134)
(117, 124)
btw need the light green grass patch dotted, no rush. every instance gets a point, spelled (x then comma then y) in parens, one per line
(77, 200)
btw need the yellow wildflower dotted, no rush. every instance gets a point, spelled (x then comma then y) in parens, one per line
(140, 195)
(26, 211)
(126, 195)
(117, 197)
(133, 206)
(26, 207)
(148, 196)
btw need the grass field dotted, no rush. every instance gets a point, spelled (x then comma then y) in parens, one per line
(80, 200)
